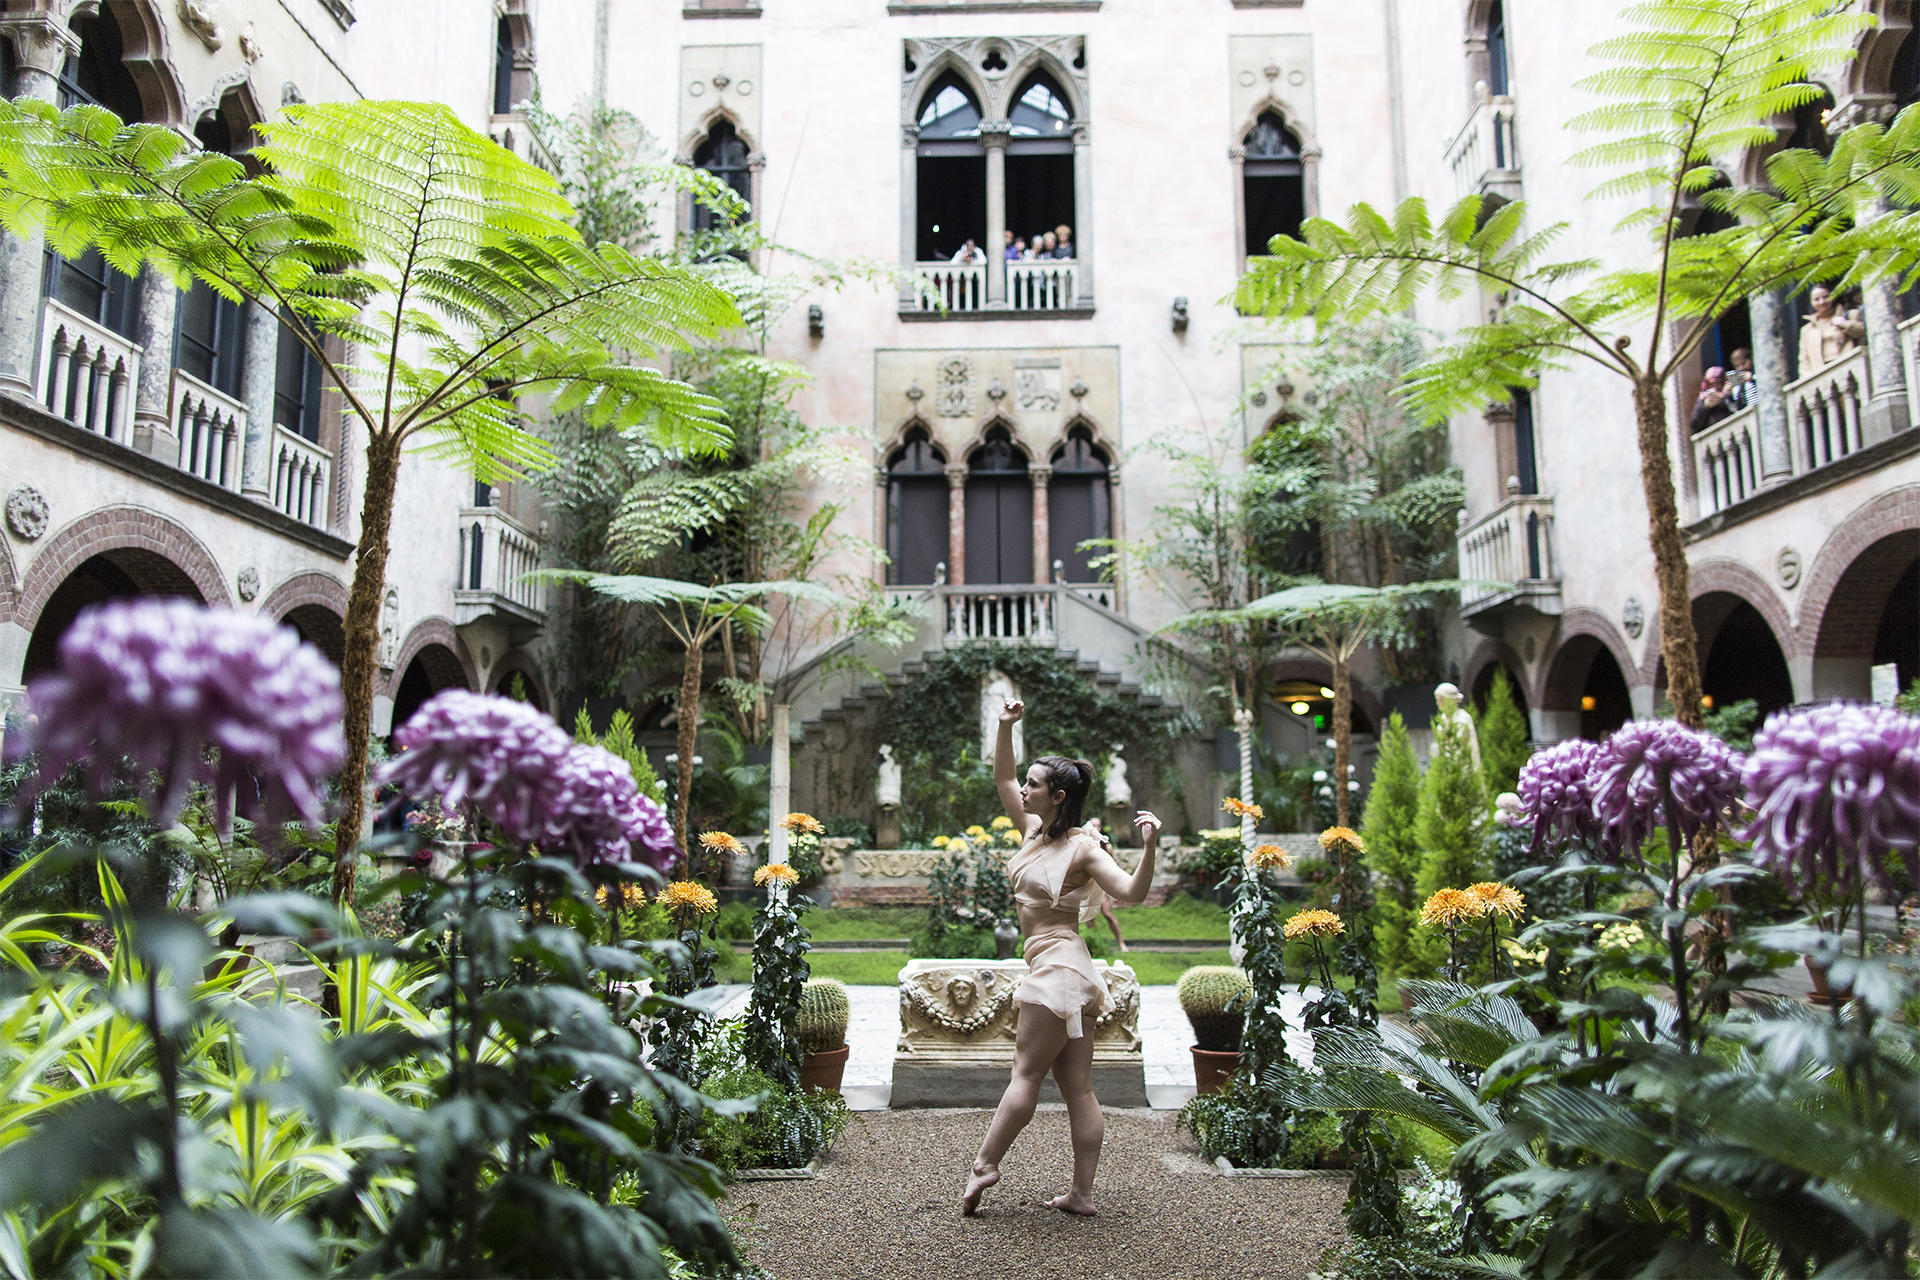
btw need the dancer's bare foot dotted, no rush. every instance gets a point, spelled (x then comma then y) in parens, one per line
(984, 1176)
(1075, 1203)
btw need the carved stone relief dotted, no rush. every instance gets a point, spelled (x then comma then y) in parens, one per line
(723, 77)
(952, 400)
(248, 583)
(987, 62)
(1277, 67)
(965, 1009)
(27, 512)
(1036, 386)
(201, 18)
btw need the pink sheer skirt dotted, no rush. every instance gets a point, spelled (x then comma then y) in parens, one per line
(1061, 977)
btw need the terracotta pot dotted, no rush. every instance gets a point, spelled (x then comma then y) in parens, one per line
(1821, 994)
(1212, 1068)
(822, 1070)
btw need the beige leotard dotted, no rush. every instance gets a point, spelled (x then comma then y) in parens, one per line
(1061, 976)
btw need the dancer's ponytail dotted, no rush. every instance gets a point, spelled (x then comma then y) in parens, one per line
(1075, 778)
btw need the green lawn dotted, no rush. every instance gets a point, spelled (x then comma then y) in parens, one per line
(1184, 918)
(882, 968)
(860, 924)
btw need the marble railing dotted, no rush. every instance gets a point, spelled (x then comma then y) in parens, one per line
(87, 372)
(1482, 156)
(299, 478)
(211, 426)
(1726, 462)
(1508, 548)
(496, 555)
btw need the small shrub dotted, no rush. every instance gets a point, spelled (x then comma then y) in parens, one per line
(735, 922)
(788, 1128)
(1316, 1143)
(957, 942)
(1233, 1123)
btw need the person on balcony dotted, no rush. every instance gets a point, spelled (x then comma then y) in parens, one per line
(1710, 406)
(1063, 241)
(1036, 247)
(967, 253)
(1829, 333)
(1740, 382)
(1049, 243)
(1016, 247)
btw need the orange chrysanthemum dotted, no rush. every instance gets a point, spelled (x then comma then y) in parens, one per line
(1315, 924)
(624, 897)
(1241, 809)
(763, 876)
(719, 842)
(1502, 898)
(803, 824)
(1270, 857)
(1347, 838)
(1451, 908)
(685, 899)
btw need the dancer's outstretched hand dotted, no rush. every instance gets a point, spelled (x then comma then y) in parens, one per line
(1147, 825)
(1011, 710)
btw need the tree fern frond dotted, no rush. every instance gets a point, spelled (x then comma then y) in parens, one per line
(667, 505)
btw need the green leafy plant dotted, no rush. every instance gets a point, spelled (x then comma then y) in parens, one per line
(1503, 737)
(1393, 843)
(780, 974)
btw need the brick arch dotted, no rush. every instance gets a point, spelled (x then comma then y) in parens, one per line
(144, 53)
(1491, 652)
(114, 529)
(1302, 668)
(322, 589)
(9, 582)
(427, 632)
(1722, 576)
(1888, 515)
(520, 662)
(1550, 689)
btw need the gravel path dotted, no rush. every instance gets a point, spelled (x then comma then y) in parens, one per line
(886, 1206)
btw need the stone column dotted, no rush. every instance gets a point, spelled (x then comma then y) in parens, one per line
(1310, 182)
(1083, 210)
(909, 215)
(1237, 158)
(43, 42)
(1042, 534)
(153, 432)
(782, 787)
(956, 524)
(1886, 409)
(257, 388)
(1769, 313)
(880, 525)
(993, 137)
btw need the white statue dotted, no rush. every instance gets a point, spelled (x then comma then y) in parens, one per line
(390, 628)
(1452, 726)
(1119, 794)
(996, 690)
(887, 790)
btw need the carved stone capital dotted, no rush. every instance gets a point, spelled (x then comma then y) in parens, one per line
(1865, 108)
(1040, 475)
(41, 41)
(1236, 153)
(994, 133)
(956, 475)
(1498, 413)
(909, 136)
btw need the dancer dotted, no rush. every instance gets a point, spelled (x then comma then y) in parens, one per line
(1054, 873)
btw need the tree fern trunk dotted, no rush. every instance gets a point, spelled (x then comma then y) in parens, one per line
(688, 733)
(359, 662)
(1669, 553)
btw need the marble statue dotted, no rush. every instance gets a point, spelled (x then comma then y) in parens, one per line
(886, 791)
(996, 690)
(1119, 793)
(1452, 726)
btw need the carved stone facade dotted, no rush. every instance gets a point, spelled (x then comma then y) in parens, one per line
(1037, 411)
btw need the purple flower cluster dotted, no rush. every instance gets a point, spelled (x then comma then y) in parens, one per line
(1556, 792)
(162, 681)
(523, 773)
(1649, 765)
(1835, 789)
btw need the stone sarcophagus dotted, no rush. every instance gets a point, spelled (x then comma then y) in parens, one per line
(957, 1023)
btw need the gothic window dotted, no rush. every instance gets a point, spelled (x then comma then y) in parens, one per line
(96, 74)
(951, 172)
(724, 155)
(916, 510)
(1497, 83)
(209, 339)
(1733, 330)
(1526, 466)
(512, 58)
(999, 509)
(1039, 160)
(1274, 191)
(1079, 505)
(502, 67)
(296, 388)
(1906, 71)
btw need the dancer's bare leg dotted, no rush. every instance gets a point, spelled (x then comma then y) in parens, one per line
(1039, 1035)
(1073, 1072)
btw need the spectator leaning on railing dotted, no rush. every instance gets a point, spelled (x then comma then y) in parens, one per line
(1829, 333)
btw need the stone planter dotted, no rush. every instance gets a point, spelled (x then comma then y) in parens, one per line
(1212, 1068)
(822, 1071)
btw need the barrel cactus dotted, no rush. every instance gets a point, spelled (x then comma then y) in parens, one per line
(822, 1021)
(1215, 998)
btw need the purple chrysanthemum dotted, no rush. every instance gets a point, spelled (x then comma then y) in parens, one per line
(162, 681)
(595, 811)
(1648, 764)
(1836, 790)
(499, 755)
(1556, 792)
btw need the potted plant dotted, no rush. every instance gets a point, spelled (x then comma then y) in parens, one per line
(1215, 998)
(822, 1027)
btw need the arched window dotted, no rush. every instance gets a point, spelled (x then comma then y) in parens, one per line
(502, 67)
(97, 74)
(209, 336)
(951, 172)
(916, 510)
(512, 58)
(1733, 330)
(1079, 505)
(1274, 192)
(724, 156)
(1497, 83)
(1905, 78)
(1039, 160)
(999, 512)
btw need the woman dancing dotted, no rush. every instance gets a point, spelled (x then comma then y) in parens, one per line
(1053, 875)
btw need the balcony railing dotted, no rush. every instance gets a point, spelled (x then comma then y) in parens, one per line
(1823, 412)
(496, 555)
(1045, 284)
(514, 133)
(1910, 353)
(1507, 554)
(300, 478)
(211, 427)
(1049, 284)
(955, 286)
(994, 612)
(1483, 155)
(87, 373)
(1726, 462)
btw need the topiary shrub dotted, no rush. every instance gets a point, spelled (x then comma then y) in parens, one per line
(1214, 997)
(821, 1022)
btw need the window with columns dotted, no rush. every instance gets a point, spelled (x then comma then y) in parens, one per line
(951, 175)
(1079, 505)
(1273, 183)
(917, 510)
(512, 57)
(96, 74)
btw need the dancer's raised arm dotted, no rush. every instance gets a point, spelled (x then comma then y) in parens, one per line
(1006, 777)
(1108, 874)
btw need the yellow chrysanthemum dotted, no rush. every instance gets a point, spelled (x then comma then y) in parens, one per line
(1451, 908)
(1522, 955)
(803, 824)
(1001, 823)
(1011, 839)
(1502, 898)
(977, 831)
(943, 842)
(1270, 857)
(763, 876)
(625, 897)
(719, 842)
(686, 898)
(1335, 838)
(1241, 809)
(1314, 924)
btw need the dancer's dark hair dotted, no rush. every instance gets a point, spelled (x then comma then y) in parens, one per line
(1075, 778)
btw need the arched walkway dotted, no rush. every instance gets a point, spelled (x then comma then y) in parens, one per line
(1871, 619)
(432, 668)
(1586, 690)
(520, 666)
(315, 605)
(124, 574)
(1741, 657)
(117, 529)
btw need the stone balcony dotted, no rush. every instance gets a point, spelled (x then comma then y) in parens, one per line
(1484, 156)
(1507, 560)
(497, 553)
(959, 290)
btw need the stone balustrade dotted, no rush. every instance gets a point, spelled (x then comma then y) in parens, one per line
(210, 426)
(1000, 613)
(1508, 553)
(300, 473)
(496, 555)
(1045, 284)
(1483, 156)
(1726, 462)
(87, 373)
(1823, 412)
(952, 286)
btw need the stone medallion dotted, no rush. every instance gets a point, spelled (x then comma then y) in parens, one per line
(248, 583)
(27, 512)
(1787, 565)
(1633, 617)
